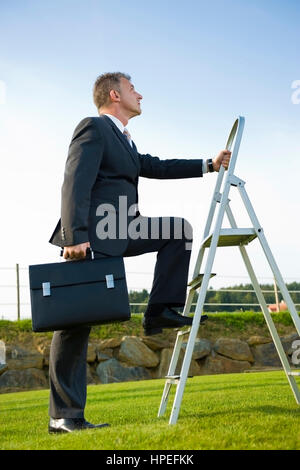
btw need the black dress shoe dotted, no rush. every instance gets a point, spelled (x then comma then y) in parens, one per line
(63, 425)
(168, 318)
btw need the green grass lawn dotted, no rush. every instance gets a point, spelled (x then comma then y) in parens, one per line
(232, 411)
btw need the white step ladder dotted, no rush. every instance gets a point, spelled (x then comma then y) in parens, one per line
(233, 236)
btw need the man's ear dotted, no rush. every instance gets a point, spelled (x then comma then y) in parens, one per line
(114, 96)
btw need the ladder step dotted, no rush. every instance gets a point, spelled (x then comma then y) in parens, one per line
(197, 281)
(175, 378)
(184, 332)
(294, 372)
(232, 237)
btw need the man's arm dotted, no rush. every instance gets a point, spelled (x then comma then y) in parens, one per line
(82, 166)
(153, 167)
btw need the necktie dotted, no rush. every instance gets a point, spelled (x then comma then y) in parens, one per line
(128, 136)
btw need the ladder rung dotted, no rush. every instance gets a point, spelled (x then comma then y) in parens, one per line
(185, 332)
(232, 237)
(175, 378)
(197, 281)
(294, 372)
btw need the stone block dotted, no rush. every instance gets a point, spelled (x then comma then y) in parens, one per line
(256, 339)
(135, 353)
(217, 364)
(202, 348)
(113, 371)
(20, 358)
(104, 354)
(165, 359)
(91, 353)
(233, 349)
(23, 379)
(155, 342)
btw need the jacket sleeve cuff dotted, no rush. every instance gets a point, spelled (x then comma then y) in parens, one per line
(70, 238)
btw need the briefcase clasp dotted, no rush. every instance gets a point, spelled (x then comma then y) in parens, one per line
(109, 281)
(46, 289)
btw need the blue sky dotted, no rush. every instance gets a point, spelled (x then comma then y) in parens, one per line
(198, 65)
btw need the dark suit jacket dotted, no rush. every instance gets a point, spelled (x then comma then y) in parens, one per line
(101, 166)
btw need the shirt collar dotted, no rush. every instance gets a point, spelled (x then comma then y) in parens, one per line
(117, 122)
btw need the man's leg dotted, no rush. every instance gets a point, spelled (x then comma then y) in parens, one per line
(172, 238)
(67, 373)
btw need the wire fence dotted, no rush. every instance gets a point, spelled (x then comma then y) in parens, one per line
(15, 293)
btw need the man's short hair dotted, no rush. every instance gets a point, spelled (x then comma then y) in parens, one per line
(104, 84)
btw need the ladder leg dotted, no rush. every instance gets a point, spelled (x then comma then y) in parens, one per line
(280, 282)
(270, 258)
(171, 371)
(271, 326)
(164, 399)
(199, 306)
(174, 358)
(235, 135)
(267, 315)
(183, 375)
(194, 330)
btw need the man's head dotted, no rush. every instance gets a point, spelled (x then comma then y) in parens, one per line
(114, 92)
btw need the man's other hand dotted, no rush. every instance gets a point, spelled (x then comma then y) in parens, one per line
(76, 251)
(222, 159)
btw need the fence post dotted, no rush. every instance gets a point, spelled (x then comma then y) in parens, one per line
(18, 290)
(276, 296)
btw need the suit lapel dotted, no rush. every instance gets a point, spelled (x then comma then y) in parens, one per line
(124, 141)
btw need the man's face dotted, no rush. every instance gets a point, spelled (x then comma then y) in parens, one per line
(130, 98)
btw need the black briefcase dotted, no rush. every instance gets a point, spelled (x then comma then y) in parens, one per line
(84, 292)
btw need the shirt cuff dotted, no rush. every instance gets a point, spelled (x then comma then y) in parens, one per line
(204, 166)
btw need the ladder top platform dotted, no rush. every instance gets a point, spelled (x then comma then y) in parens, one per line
(232, 237)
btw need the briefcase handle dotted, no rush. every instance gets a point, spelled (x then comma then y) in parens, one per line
(89, 251)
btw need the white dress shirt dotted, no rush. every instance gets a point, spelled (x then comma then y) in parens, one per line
(119, 124)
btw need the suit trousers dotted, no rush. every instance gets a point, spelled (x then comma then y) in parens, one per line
(171, 238)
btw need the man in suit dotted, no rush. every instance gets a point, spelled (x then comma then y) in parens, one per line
(101, 180)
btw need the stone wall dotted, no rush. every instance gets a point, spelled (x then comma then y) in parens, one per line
(141, 358)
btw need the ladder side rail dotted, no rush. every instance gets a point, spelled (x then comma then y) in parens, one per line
(235, 133)
(270, 258)
(210, 217)
(238, 130)
(239, 125)
(214, 201)
(175, 357)
(189, 301)
(198, 311)
(199, 262)
(267, 315)
(189, 352)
